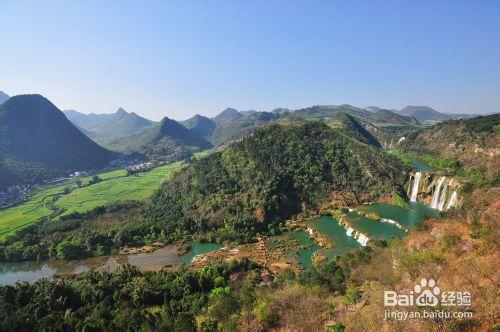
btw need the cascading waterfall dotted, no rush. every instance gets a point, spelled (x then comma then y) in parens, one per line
(442, 198)
(362, 239)
(350, 231)
(453, 200)
(436, 196)
(414, 191)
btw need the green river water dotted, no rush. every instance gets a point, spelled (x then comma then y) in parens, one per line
(342, 243)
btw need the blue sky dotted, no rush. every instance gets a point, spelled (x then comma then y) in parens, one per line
(179, 58)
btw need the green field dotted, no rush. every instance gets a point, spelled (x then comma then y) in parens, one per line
(116, 186)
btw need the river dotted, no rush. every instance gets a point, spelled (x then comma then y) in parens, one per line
(10, 273)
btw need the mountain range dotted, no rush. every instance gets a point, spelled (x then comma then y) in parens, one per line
(104, 128)
(383, 116)
(425, 114)
(38, 142)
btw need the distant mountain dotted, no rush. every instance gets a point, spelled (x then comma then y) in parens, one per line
(373, 109)
(37, 142)
(231, 130)
(103, 128)
(229, 114)
(325, 111)
(229, 125)
(167, 141)
(389, 117)
(249, 112)
(3, 97)
(280, 110)
(425, 114)
(200, 125)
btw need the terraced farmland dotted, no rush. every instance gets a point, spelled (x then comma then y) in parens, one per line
(53, 202)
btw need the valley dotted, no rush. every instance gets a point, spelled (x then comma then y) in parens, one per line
(302, 202)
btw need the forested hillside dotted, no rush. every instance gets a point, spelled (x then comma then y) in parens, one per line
(472, 143)
(279, 171)
(353, 128)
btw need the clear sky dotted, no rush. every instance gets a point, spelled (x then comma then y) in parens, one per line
(179, 58)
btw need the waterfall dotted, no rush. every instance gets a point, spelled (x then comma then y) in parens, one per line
(362, 239)
(415, 187)
(350, 231)
(453, 200)
(435, 197)
(442, 198)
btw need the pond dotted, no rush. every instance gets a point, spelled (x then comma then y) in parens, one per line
(374, 229)
(198, 248)
(420, 165)
(300, 253)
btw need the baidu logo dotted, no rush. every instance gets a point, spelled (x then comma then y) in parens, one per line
(426, 294)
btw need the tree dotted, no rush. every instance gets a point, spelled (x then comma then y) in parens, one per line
(68, 250)
(95, 179)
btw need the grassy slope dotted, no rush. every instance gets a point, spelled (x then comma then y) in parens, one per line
(114, 187)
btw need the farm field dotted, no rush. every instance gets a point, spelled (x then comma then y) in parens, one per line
(30, 211)
(115, 186)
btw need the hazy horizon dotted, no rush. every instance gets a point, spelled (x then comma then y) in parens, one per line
(178, 58)
(213, 115)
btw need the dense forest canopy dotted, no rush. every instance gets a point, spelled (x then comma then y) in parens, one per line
(279, 171)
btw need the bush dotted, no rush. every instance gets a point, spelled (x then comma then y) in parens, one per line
(450, 241)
